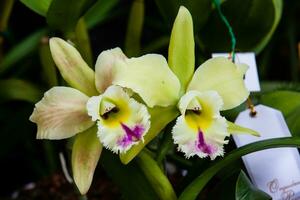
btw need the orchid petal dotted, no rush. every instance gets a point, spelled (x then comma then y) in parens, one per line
(105, 68)
(200, 130)
(122, 121)
(150, 77)
(182, 47)
(61, 114)
(85, 156)
(72, 67)
(237, 129)
(221, 75)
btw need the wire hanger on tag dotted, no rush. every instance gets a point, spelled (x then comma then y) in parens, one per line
(231, 56)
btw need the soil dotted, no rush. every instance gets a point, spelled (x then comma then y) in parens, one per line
(56, 187)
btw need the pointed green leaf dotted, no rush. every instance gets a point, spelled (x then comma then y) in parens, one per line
(194, 188)
(85, 155)
(16, 89)
(21, 50)
(160, 117)
(72, 67)
(39, 6)
(236, 129)
(245, 190)
(156, 177)
(181, 56)
(64, 15)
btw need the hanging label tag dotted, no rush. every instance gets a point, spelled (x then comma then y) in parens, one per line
(251, 77)
(275, 171)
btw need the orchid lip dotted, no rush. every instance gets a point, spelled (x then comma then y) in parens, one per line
(132, 134)
(202, 145)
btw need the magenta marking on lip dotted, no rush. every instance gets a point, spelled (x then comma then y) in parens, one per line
(202, 145)
(132, 135)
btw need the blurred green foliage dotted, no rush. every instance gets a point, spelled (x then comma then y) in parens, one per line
(269, 27)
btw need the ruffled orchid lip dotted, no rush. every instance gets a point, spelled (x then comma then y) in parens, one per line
(132, 135)
(202, 146)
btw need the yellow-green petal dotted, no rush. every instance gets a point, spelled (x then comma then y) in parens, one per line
(150, 77)
(160, 117)
(104, 68)
(85, 156)
(182, 47)
(236, 129)
(72, 67)
(61, 114)
(223, 76)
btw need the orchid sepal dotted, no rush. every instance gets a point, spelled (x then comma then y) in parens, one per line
(181, 54)
(72, 67)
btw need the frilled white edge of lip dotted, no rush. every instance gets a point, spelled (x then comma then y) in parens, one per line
(187, 138)
(117, 139)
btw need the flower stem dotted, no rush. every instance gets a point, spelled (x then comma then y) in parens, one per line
(155, 176)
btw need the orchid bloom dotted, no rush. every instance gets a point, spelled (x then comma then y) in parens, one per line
(122, 121)
(116, 96)
(216, 85)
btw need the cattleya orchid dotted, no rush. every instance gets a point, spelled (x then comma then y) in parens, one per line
(132, 99)
(216, 85)
(116, 96)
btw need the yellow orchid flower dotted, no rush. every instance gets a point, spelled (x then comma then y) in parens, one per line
(109, 97)
(216, 85)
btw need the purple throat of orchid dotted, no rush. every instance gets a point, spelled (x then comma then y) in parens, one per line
(202, 146)
(132, 135)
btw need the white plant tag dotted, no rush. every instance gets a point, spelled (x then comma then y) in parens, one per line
(251, 77)
(275, 171)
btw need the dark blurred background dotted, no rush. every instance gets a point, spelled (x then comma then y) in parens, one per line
(23, 159)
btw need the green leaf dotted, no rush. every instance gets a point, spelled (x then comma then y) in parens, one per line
(181, 57)
(156, 177)
(134, 29)
(99, 12)
(38, 6)
(130, 178)
(288, 103)
(285, 101)
(194, 188)
(64, 15)
(16, 89)
(236, 129)
(245, 190)
(158, 122)
(253, 22)
(21, 50)
(85, 156)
